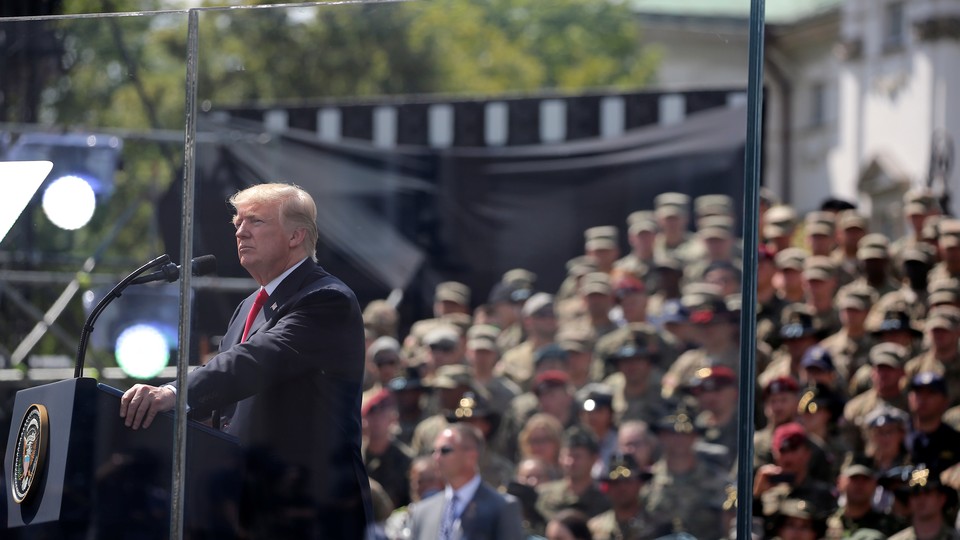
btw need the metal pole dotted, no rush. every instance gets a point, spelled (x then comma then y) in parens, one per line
(186, 254)
(748, 322)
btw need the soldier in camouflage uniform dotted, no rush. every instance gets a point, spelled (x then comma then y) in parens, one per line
(686, 493)
(927, 500)
(715, 327)
(850, 347)
(577, 489)
(628, 519)
(779, 224)
(636, 379)
(715, 390)
(798, 332)
(540, 323)
(672, 213)
(482, 355)
(856, 485)
(943, 356)
(641, 234)
(851, 227)
(820, 287)
(887, 376)
(948, 243)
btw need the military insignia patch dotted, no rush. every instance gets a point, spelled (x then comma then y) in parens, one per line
(30, 452)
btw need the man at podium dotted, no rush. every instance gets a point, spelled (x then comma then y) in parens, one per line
(289, 371)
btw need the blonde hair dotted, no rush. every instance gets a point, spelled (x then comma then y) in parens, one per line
(540, 422)
(297, 209)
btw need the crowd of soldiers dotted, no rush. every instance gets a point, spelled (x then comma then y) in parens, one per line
(613, 401)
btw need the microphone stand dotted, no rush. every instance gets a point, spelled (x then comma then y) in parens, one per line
(113, 294)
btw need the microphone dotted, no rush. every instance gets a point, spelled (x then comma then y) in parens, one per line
(199, 266)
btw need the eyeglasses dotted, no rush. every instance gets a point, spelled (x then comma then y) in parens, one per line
(443, 450)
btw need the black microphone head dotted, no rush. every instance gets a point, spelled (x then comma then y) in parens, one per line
(203, 265)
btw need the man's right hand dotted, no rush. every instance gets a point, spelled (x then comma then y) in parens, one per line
(141, 403)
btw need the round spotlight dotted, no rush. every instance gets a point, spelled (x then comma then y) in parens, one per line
(69, 202)
(142, 351)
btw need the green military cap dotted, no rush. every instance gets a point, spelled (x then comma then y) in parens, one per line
(888, 354)
(819, 267)
(856, 296)
(790, 259)
(602, 237)
(452, 291)
(873, 246)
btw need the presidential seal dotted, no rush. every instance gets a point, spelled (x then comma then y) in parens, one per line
(30, 452)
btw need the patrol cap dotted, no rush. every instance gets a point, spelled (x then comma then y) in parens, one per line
(452, 376)
(873, 246)
(596, 283)
(819, 267)
(819, 222)
(519, 277)
(552, 378)
(442, 336)
(713, 204)
(949, 233)
(377, 401)
(781, 385)
(931, 228)
(789, 436)
(581, 266)
(575, 338)
(918, 253)
(930, 380)
(858, 469)
(594, 396)
(483, 343)
(715, 227)
(856, 296)
(779, 221)
(943, 291)
(851, 219)
(888, 354)
(624, 467)
(790, 259)
(383, 347)
(671, 204)
(817, 357)
(602, 237)
(713, 378)
(452, 291)
(668, 262)
(867, 534)
(540, 303)
(641, 221)
(551, 351)
(483, 331)
(945, 317)
(918, 201)
(884, 414)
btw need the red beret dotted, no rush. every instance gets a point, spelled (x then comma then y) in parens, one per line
(789, 436)
(780, 385)
(549, 378)
(376, 400)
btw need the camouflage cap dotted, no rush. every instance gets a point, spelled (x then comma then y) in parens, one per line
(442, 335)
(452, 376)
(671, 203)
(819, 222)
(920, 253)
(851, 219)
(819, 267)
(944, 317)
(452, 291)
(949, 233)
(519, 277)
(641, 221)
(931, 228)
(919, 201)
(873, 246)
(575, 338)
(790, 258)
(713, 204)
(856, 296)
(581, 266)
(715, 227)
(602, 237)
(943, 291)
(779, 221)
(888, 354)
(596, 283)
(768, 197)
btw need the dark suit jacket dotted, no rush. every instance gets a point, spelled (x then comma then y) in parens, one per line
(296, 383)
(488, 516)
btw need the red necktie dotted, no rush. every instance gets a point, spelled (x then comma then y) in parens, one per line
(254, 310)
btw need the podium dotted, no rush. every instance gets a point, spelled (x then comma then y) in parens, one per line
(73, 470)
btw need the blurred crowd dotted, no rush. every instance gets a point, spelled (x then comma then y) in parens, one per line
(610, 405)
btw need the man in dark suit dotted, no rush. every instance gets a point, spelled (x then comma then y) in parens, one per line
(467, 509)
(290, 369)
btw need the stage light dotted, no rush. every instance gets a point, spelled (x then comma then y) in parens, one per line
(142, 351)
(69, 202)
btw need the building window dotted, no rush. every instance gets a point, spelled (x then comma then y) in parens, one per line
(894, 31)
(818, 104)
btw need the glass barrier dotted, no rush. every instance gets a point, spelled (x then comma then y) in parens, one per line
(540, 220)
